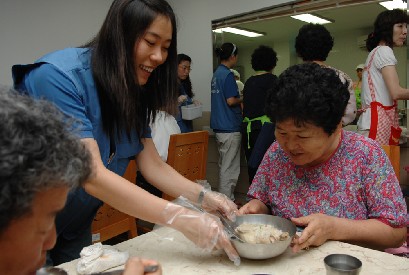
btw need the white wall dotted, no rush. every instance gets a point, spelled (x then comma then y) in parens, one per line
(29, 29)
(195, 36)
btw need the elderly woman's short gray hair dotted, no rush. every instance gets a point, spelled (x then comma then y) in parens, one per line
(37, 152)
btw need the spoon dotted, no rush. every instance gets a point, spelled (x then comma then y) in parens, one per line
(146, 269)
(229, 227)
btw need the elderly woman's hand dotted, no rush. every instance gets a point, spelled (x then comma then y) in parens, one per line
(253, 207)
(318, 229)
(136, 266)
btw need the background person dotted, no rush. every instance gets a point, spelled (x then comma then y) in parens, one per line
(337, 184)
(358, 85)
(225, 118)
(380, 84)
(263, 61)
(313, 44)
(113, 94)
(185, 91)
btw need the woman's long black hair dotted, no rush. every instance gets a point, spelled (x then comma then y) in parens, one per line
(125, 105)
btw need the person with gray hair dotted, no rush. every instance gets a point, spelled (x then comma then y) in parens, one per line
(40, 162)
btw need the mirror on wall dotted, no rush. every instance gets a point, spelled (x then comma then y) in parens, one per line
(352, 21)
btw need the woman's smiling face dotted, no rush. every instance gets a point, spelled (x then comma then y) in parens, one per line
(306, 145)
(152, 49)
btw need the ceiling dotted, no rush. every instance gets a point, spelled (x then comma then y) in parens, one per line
(283, 27)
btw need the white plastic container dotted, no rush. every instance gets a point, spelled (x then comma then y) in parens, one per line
(191, 111)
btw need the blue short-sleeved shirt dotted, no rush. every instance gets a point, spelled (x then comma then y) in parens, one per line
(223, 118)
(65, 78)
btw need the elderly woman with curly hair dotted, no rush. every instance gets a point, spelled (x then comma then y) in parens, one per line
(263, 61)
(313, 44)
(337, 184)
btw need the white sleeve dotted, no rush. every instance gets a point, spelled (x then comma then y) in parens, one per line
(163, 126)
(385, 57)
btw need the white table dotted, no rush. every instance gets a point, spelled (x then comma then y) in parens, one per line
(178, 256)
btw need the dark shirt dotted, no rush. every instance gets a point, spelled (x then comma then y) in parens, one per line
(254, 94)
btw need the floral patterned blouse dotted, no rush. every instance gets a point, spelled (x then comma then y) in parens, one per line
(356, 182)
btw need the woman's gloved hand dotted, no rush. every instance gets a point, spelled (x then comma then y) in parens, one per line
(204, 229)
(212, 201)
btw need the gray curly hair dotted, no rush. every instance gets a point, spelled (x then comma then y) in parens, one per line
(37, 152)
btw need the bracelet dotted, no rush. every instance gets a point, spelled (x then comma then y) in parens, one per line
(201, 196)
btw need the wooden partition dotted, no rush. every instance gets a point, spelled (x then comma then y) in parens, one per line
(187, 154)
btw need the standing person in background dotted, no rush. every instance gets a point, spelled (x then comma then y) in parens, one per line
(263, 61)
(185, 91)
(358, 88)
(313, 44)
(225, 119)
(112, 87)
(358, 85)
(380, 85)
(40, 162)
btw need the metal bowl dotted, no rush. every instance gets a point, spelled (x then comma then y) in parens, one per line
(264, 251)
(337, 264)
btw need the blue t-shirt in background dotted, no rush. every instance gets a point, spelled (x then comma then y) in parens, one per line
(223, 118)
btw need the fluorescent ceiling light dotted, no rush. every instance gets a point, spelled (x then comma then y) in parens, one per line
(309, 18)
(395, 4)
(239, 32)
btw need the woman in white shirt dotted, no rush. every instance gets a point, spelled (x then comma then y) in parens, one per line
(380, 85)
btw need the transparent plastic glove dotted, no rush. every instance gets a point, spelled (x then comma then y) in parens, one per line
(204, 229)
(182, 98)
(215, 201)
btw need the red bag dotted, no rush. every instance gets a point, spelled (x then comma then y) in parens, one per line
(384, 119)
